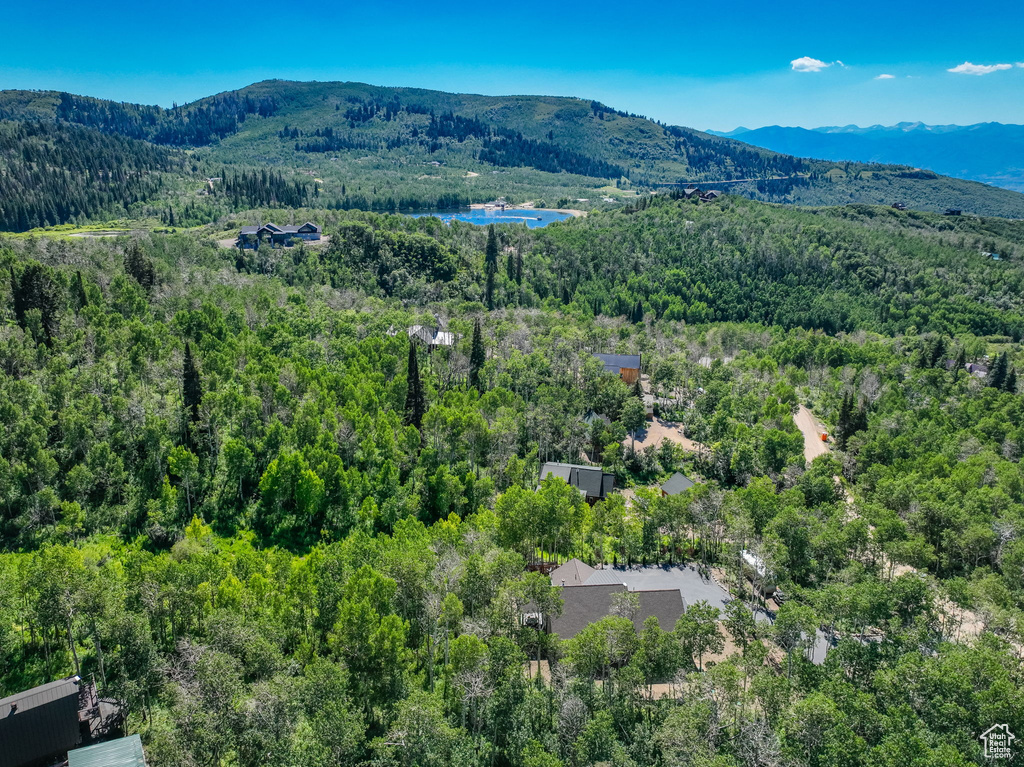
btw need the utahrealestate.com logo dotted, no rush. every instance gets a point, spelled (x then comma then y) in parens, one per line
(997, 739)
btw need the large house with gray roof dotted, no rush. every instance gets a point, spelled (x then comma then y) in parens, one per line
(252, 236)
(588, 595)
(592, 481)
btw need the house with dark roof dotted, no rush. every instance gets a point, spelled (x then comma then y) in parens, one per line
(676, 484)
(626, 366)
(711, 195)
(592, 481)
(40, 724)
(252, 236)
(583, 605)
(588, 595)
(691, 192)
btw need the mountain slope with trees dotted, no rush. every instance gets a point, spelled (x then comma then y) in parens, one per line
(372, 147)
(287, 536)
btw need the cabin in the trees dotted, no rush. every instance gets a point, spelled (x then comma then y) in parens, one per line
(899, 205)
(626, 366)
(676, 484)
(252, 236)
(588, 595)
(691, 193)
(432, 338)
(41, 724)
(952, 212)
(711, 196)
(592, 481)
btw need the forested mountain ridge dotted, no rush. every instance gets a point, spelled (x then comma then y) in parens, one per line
(55, 173)
(387, 148)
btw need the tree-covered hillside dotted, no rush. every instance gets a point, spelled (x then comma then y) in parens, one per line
(836, 269)
(387, 148)
(57, 173)
(286, 535)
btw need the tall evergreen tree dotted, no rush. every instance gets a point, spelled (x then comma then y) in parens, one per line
(191, 386)
(997, 375)
(36, 289)
(415, 402)
(1010, 384)
(477, 358)
(491, 253)
(140, 267)
(80, 295)
(519, 267)
(489, 289)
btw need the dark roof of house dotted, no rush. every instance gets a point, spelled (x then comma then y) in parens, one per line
(39, 696)
(583, 605)
(614, 362)
(572, 573)
(309, 226)
(676, 484)
(39, 724)
(592, 481)
(123, 752)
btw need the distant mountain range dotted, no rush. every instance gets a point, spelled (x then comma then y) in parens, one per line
(991, 153)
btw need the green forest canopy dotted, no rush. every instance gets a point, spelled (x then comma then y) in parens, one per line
(210, 488)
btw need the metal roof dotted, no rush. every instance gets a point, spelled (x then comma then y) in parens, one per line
(123, 752)
(592, 481)
(614, 362)
(39, 696)
(676, 484)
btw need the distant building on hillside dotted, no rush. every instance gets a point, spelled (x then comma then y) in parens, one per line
(676, 484)
(691, 192)
(432, 338)
(899, 205)
(711, 196)
(952, 212)
(252, 236)
(593, 482)
(626, 366)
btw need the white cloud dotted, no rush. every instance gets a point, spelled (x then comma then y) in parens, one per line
(967, 68)
(886, 77)
(807, 64)
(1020, 64)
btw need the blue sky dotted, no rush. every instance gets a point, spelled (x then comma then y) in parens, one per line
(700, 64)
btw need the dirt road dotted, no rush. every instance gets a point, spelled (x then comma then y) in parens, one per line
(657, 430)
(811, 429)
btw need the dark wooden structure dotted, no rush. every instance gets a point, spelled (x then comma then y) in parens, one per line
(40, 724)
